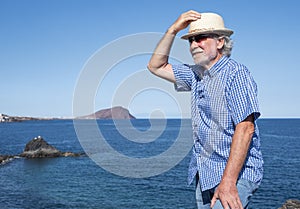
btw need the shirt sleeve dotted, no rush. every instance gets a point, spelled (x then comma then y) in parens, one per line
(242, 95)
(183, 77)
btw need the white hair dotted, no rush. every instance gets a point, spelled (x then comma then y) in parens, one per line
(228, 45)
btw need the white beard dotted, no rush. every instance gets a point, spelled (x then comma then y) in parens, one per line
(202, 58)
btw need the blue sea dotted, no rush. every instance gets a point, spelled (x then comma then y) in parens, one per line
(80, 182)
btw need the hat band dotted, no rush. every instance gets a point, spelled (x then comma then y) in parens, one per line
(203, 29)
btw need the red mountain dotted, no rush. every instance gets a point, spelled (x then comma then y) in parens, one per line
(117, 112)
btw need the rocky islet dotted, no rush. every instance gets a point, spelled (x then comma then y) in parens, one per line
(38, 148)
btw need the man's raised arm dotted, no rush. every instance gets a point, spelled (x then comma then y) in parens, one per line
(158, 63)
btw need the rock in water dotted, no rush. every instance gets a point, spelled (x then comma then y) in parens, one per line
(5, 158)
(291, 204)
(38, 148)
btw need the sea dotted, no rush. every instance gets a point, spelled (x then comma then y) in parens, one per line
(92, 181)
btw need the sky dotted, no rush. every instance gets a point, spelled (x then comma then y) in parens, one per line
(46, 47)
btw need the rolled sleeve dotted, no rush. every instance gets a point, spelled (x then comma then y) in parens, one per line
(183, 77)
(242, 96)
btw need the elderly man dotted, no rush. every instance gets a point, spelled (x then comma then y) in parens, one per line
(227, 159)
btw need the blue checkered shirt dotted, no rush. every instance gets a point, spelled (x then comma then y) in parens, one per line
(221, 97)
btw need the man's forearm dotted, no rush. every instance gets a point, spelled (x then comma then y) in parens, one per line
(161, 53)
(239, 149)
(227, 191)
(158, 63)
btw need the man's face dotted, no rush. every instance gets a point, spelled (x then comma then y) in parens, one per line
(204, 50)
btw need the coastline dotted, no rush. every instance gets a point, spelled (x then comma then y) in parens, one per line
(116, 112)
(7, 118)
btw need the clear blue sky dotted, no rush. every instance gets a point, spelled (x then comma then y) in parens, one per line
(44, 45)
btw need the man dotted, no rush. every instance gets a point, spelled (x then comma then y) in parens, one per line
(226, 160)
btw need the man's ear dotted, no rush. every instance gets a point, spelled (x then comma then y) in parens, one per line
(220, 43)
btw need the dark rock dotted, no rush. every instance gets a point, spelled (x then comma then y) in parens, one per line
(117, 112)
(39, 148)
(291, 204)
(6, 158)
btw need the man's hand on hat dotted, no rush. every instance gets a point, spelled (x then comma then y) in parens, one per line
(183, 21)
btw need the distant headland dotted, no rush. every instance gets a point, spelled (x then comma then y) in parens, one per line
(116, 112)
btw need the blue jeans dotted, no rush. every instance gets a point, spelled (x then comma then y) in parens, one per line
(245, 189)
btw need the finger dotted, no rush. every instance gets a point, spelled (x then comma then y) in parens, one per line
(213, 201)
(194, 13)
(225, 204)
(195, 16)
(235, 203)
(239, 202)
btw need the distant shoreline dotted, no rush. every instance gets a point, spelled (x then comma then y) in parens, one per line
(6, 118)
(117, 112)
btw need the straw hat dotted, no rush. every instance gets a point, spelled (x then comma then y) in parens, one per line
(207, 24)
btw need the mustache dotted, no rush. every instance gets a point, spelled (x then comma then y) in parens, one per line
(196, 50)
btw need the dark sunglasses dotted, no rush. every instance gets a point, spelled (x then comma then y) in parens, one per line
(198, 38)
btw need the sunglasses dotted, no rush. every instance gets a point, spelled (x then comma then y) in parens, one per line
(198, 38)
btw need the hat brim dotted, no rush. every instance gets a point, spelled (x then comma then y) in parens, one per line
(225, 32)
